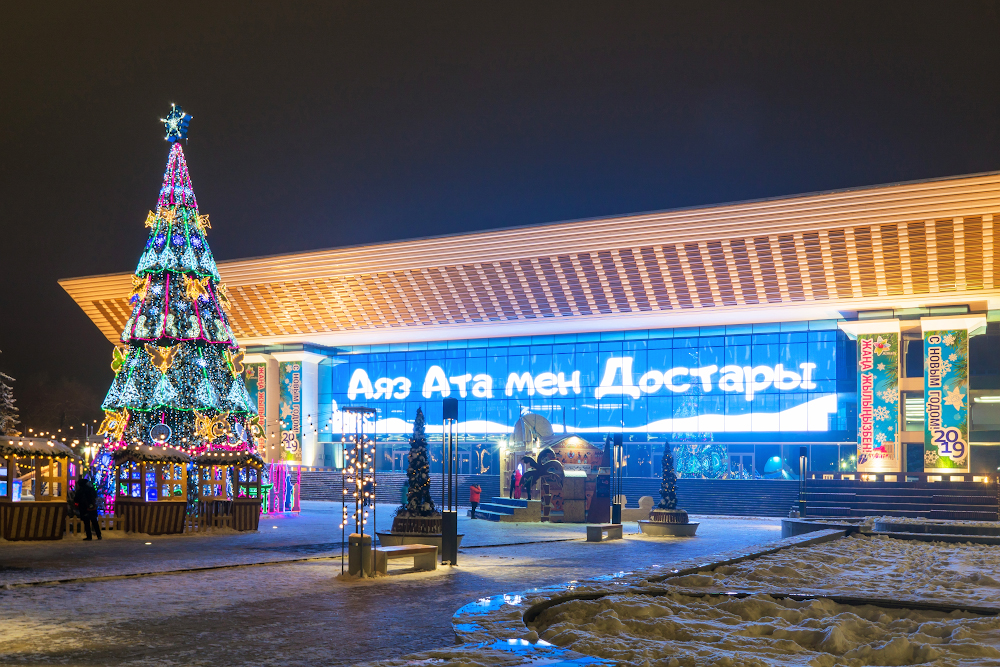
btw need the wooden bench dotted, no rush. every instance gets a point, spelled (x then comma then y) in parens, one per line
(596, 532)
(424, 556)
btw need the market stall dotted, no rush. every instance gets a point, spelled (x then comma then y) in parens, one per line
(35, 479)
(151, 489)
(229, 484)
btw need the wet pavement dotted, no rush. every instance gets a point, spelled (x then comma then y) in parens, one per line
(293, 613)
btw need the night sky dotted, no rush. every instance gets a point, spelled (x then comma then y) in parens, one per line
(327, 124)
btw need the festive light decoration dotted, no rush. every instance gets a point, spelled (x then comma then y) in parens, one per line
(222, 293)
(118, 357)
(175, 386)
(195, 288)
(176, 124)
(113, 425)
(161, 357)
(236, 362)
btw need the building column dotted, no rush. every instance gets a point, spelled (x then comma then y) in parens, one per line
(298, 406)
(947, 403)
(879, 424)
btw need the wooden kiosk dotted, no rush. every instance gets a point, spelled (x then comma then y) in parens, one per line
(229, 489)
(151, 489)
(34, 483)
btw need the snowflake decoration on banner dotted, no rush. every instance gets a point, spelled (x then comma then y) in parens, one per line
(930, 458)
(881, 413)
(890, 396)
(881, 367)
(953, 357)
(880, 437)
(945, 367)
(955, 398)
(949, 340)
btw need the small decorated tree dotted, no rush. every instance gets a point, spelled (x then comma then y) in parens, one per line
(8, 411)
(666, 511)
(418, 474)
(418, 514)
(668, 483)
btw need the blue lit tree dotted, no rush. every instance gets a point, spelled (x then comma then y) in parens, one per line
(178, 372)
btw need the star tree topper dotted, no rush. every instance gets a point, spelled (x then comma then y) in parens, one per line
(176, 124)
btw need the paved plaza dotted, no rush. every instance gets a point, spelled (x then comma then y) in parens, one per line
(275, 597)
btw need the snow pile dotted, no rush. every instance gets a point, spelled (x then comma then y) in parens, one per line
(871, 520)
(870, 567)
(682, 630)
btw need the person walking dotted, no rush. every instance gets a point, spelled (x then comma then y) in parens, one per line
(475, 493)
(513, 483)
(517, 483)
(86, 503)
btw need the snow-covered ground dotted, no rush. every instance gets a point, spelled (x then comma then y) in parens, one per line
(294, 613)
(679, 628)
(871, 567)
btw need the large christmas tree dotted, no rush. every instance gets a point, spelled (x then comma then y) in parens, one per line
(178, 379)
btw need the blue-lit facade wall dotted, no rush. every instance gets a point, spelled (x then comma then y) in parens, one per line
(759, 391)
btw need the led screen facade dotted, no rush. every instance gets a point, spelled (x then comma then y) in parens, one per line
(736, 383)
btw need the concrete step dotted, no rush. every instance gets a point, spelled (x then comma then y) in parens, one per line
(509, 502)
(498, 509)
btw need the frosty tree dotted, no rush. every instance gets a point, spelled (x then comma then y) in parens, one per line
(8, 411)
(668, 482)
(178, 373)
(418, 474)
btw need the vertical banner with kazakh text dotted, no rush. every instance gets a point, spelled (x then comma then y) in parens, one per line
(878, 403)
(255, 378)
(290, 409)
(946, 406)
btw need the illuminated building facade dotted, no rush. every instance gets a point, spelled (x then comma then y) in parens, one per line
(740, 333)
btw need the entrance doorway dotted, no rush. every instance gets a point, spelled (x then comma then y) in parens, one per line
(741, 466)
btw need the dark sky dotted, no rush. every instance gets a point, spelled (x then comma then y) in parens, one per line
(326, 124)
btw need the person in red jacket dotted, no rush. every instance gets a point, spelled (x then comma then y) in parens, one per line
(475, 493)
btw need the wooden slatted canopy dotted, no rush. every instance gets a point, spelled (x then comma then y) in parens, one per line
(902, 245)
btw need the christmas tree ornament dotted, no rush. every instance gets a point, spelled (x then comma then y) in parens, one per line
(151, 220)
(196, 288)
(160, 432)
(222, 294)
(176, 124)
(168, 215)
(202, 222)
(236, 361)
(138, 292)
(113, 425)
(118, 358)
(162, 357)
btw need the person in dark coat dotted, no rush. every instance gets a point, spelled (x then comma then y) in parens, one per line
(475, 494)
(513, 483)
(86, 503)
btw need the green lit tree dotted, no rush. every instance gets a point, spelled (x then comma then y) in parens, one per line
(418, 473)
(668, 481)
(178, 379)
